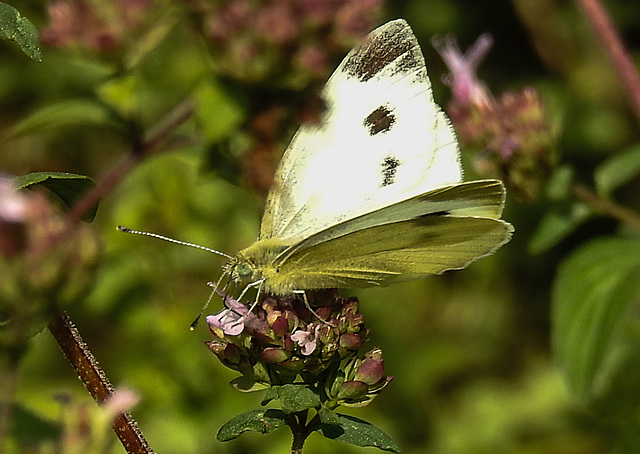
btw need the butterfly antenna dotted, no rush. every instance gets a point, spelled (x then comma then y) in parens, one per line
(193, 325)
(121, 228)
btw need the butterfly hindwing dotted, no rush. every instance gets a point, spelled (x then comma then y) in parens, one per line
(392, 253)
(482, 198)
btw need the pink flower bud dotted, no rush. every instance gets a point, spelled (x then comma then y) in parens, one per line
(353, 390)
(371, 371)
(274, 355)
(351, 341)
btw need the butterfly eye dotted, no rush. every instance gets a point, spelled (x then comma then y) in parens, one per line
(244, 270)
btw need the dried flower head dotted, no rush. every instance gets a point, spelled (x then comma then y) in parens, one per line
(81, 23)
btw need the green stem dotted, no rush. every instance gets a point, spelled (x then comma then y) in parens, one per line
(9, 368)
(300, 432)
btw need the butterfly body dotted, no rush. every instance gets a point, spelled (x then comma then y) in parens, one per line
(373, 194)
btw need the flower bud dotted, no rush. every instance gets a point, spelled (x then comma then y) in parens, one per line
(274, 355)
(371, 371)
(232, 353)
(351, 341)
(280, 326)
(353, 391)
(216, 347)
(284, 342)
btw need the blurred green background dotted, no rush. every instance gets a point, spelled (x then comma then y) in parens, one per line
(470, 350)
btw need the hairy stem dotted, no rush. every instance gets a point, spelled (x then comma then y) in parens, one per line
(62, 328)
(614, 48)
(97, 383)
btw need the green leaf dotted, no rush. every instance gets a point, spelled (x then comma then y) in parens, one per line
(73, 112)
(14, 27)
(217, 111)
(591, 296)
(248, 385)
(556, 226)
(69, 187)
(32, 430)
(359, 433)
(147, 43)
(327, 416)
(295, 397)
(269, 395)
(559, 184)
(617, 170)
(122, 94)
(262, 421)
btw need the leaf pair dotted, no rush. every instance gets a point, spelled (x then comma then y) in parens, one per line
(296, 400)
(560, 222)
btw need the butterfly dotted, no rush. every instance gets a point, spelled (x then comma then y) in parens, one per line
(373, 194)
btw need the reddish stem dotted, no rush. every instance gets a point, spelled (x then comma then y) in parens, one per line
(111, 179)
(614, 48)
(96, 382)
(67, 336)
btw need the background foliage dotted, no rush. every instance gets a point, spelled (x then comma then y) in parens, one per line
(534, 349)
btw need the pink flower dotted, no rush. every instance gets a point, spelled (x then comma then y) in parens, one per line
(13, 204)
(307, 340)
(230, 320)
(465, 85)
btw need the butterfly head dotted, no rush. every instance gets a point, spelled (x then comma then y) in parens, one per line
(240, 271)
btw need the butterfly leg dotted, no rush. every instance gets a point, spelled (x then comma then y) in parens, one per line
(255, 303)
(249, 286)
(308, 306)
(253, 284)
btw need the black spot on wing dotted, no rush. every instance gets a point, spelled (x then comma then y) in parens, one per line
(380, 120)
(389, 170)
(392, 42)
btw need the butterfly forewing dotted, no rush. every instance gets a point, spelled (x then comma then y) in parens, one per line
(373, 194)
(382, 139)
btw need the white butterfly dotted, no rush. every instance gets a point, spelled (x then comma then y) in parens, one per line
(373, 194)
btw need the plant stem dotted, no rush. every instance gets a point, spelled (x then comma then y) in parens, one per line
(140, 150)
(61, 327)
(616, 51)
(606, 206)
(298, 425)
(10, 370)
(96, 382)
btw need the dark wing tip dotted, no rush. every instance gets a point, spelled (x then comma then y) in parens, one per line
(391, 42)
